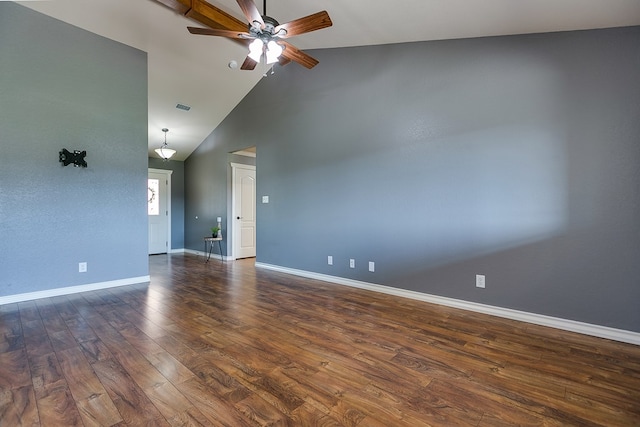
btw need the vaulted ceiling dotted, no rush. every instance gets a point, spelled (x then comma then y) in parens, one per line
(193, 70)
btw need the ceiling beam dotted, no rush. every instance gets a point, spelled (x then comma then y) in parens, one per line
(180, 6)
(206, 14)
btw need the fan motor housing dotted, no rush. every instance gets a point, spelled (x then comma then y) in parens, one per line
(270, 24)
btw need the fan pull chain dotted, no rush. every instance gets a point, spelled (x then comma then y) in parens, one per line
(267, 73)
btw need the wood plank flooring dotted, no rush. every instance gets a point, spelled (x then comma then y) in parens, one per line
(228, 345)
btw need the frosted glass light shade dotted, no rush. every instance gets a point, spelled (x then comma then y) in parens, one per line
(274, 50)
(255, 50)
(165, 153)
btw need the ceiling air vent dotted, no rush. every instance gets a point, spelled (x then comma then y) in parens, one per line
(183, 107)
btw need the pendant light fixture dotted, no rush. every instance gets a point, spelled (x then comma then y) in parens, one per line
(164, 151)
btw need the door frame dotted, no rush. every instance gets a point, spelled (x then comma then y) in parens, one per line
(167, 174)
(234, 237)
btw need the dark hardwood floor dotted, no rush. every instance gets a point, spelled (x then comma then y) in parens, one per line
(228, 345)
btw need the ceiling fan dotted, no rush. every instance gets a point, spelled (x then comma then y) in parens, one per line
(267, 36)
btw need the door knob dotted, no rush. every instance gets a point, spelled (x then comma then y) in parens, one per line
(238, 217)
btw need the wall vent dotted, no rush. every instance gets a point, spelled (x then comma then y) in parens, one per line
(183, 107)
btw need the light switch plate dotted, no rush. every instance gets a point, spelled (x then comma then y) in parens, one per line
(265, 199)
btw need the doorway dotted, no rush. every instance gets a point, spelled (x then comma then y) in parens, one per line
(159, 210)
(243, 202)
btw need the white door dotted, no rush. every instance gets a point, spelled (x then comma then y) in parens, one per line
(158, 208)
(243, 197)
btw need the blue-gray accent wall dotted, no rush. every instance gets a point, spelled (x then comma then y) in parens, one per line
(515, 157)
(63, 87)
(208, 189)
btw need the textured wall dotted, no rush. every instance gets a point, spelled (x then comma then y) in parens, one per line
(208, 188)
(514, 157)
(62, 87)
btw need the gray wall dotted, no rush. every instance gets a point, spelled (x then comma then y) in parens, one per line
(208, 187)
(62, 87)
(177, 198)
(514, 157)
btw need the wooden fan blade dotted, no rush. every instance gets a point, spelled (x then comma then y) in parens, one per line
(283, 61)
(251, 11)
(294, 54)
(215, 32)
(248, 64)
(314, 22)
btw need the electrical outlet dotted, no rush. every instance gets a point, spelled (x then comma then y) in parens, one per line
(82, 267)
(330, 260)
(480, 281)
(352, 263)
(372, 266)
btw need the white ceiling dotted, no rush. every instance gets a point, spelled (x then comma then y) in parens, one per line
(193, 70)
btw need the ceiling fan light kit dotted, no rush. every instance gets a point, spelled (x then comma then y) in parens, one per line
(268, 35)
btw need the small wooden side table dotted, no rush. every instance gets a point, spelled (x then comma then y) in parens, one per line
(211, 241)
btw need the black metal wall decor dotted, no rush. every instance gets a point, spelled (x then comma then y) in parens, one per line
(77, 158)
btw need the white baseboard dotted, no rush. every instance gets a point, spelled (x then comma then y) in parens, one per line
(72, 290)
(204, 254)
(523, 316)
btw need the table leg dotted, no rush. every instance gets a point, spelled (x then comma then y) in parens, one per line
(210, 250)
